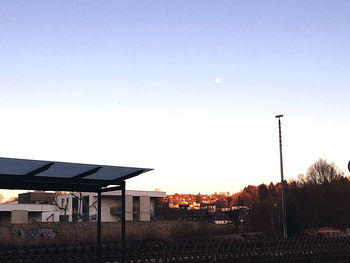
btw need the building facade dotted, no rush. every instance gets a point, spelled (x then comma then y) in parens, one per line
(77, 207)
(139, 206)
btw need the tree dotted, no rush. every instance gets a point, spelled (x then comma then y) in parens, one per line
(321, 172)
(319, 198)
(263, 192)
(229, 201)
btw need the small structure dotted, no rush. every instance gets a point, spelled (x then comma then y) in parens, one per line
(220, 218)
(240, 216)
(184, 206)
(211, 208)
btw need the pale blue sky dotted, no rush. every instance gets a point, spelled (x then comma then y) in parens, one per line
(133, 83)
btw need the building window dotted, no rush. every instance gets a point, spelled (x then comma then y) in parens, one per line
(136, 208)
(85, 208)
(75, 208)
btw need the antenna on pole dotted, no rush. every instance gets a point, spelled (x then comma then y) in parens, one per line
(284, 222)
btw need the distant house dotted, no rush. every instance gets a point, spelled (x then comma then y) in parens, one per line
(193, 215)
(240, 216)
(239, 207)
(220, 218)
(184, 206)
(325, 232)
(211, 208)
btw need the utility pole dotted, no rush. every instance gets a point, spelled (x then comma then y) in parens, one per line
(284, 222)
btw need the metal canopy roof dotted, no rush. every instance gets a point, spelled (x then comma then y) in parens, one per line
(27, 174)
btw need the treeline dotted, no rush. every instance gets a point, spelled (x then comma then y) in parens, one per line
(319, 198)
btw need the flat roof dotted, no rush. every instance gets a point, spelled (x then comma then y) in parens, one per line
(26, 174)
(127, 192)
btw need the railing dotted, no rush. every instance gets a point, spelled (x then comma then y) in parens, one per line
(220, 249)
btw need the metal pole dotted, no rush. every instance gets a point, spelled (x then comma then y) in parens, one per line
(284, 222)
(99, 259)
(123, 222)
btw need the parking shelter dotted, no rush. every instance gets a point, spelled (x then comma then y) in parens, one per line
(25, 174)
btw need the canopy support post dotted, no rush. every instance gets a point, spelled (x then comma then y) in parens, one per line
(99, 258)
(123, 222)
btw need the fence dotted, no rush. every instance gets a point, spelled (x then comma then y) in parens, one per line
(83, 232)
(218, 249)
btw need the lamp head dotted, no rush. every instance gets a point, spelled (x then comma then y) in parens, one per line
(279, 116)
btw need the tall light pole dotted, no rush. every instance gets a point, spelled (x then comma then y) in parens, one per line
(284, 222)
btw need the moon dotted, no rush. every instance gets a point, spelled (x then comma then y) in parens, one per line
(218, 80)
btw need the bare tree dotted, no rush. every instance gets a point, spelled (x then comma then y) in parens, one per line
(321, 172)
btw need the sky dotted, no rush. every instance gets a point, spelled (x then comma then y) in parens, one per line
(189, 88)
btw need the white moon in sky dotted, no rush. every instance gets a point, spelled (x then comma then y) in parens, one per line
(218, 80)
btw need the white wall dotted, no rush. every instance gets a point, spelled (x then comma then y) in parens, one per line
(106, 204)
(54, 218)
(145, 208)
(19, 217)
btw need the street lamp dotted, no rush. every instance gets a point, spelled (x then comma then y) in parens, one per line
(284, 222)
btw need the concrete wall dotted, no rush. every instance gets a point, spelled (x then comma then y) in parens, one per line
(107, 203)
(63, 233)
(128, 207)
(47, 217)
(19, 217)
(145, 208)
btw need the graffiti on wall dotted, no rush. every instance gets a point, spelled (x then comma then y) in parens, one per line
(35, 233)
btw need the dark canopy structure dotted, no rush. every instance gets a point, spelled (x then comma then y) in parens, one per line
(27, 174)
(60, 176)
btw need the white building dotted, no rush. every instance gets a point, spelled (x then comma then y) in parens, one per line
(139, 206)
